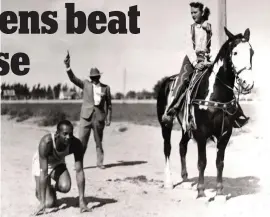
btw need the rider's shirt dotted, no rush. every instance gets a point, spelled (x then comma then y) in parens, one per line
(199, 41)
(200, 38)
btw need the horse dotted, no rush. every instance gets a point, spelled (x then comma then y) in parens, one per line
(213, 105)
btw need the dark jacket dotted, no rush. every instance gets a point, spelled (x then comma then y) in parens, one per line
(104, 109)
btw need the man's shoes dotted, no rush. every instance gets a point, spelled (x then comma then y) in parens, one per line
(240, 122)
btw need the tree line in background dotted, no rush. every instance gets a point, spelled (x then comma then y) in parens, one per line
(23, 91)
(62, 91)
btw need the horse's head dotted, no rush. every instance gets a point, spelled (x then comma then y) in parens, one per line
(241, 54)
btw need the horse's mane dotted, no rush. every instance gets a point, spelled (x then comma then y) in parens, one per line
(223, 53)
(225, 48)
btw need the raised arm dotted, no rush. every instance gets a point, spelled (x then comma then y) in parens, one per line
(43, 151)
(74, 79)
(78, 82)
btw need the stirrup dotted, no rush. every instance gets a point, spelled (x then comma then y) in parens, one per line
(240, 122)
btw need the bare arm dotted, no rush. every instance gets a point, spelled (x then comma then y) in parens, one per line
(80, 177)
(78, 82)
(44, 149)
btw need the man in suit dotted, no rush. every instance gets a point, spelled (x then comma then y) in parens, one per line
(96, 110)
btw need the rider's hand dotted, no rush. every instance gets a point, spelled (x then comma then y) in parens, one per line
(208, 63)
(200, 66)
(67, 60)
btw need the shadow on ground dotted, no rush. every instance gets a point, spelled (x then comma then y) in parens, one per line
(74, 202)
(232, 186)
(120, 164)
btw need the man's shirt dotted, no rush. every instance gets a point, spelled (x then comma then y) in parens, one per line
(97, 93)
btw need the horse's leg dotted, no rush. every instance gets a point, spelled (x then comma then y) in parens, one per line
(183, 151)
(166, 133)
(221, 146)
(202, 161)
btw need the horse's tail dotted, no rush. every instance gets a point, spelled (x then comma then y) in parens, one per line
(162, 96)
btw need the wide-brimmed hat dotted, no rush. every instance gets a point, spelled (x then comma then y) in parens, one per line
(94, 72)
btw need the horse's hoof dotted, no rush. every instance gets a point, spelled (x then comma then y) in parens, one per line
(185, 177)
(220, 199)
(201, 194)
(187, 185)
(203, 199)
(168, 185)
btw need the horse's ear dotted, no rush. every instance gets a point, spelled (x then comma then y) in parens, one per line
(247, 34)
(228, 33)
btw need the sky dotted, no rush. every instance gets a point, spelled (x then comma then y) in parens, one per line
(147, 57)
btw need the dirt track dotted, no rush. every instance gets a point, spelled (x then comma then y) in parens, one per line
(131, 185)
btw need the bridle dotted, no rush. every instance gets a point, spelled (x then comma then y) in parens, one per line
(242, 89)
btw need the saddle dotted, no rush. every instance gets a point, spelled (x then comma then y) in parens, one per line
(189, 91)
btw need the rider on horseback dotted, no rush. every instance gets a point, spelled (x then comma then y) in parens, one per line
(198, 60)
